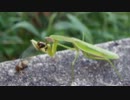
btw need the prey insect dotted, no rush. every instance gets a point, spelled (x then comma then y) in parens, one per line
(21, 66)
(88, 50)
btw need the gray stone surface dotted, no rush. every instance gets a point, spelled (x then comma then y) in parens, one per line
(43, 70)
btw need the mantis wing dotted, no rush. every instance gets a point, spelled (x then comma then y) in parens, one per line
(87, 48)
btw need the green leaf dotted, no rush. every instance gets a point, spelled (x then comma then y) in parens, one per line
(78, 24)
(6, 39)
(26, 25)
(63, 25)
(43, 34)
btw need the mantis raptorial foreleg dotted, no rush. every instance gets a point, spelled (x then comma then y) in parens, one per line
(51, 49)
(54, 48)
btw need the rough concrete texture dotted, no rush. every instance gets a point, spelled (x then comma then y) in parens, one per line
(43, 70)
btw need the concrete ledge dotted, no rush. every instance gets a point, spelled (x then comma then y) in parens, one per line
(43, 70)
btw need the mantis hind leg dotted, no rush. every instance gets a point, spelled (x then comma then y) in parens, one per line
(103, 58)
(113, 66)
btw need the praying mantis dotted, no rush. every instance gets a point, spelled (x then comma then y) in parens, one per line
(88, 50)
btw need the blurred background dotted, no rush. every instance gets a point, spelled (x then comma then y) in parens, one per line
(17, 28)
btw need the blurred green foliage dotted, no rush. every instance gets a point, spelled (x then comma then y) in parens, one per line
(17, 28)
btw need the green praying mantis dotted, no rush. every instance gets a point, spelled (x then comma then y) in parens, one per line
(88, 50)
